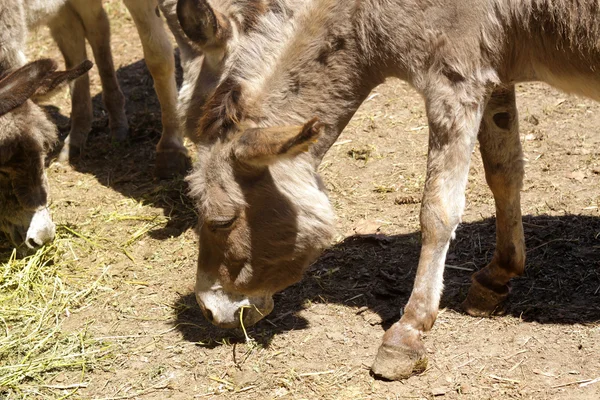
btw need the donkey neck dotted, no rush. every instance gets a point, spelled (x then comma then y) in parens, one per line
(290, 70)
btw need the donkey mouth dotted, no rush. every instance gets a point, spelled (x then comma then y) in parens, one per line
(224, 313)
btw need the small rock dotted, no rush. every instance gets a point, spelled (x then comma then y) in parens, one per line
(578, 176)
(465, 388)
(439, 391)
(360, 154)
(244, 378)
(366, 227)
(336, 337)
(532, 119)
(406, 199)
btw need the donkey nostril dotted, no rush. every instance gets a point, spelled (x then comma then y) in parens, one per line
(32, 243)
(208, 314)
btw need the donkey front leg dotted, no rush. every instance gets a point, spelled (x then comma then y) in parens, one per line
(69, 34)
(503, 163)
(171, 154)
(97, 32)
(454, 119)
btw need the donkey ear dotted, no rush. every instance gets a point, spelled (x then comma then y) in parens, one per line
(56, 80)
(20, 85)
(202, 24)
(262, 147)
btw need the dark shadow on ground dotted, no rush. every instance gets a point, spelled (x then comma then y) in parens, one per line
(129, 167)
(561, 284)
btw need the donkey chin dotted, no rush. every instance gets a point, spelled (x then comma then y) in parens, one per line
(229, 310)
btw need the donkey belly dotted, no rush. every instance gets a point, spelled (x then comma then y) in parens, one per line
(581, 81)
(573, 68)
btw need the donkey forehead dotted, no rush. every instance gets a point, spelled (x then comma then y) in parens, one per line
(27, 125)
(214, 183)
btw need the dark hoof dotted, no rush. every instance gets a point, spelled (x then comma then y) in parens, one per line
(171, 163)
(119, 134)
(400, 355)
(484, 302)
(69, 153)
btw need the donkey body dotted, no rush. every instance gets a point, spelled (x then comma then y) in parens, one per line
(263, 214)
(71, 22)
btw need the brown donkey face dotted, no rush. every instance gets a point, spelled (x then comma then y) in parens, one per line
(25, 135)
(24, 216)
(264, 217)
(23, 184)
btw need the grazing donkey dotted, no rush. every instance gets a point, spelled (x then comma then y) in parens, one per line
(25, 136)
(289, 85)
(71, 22)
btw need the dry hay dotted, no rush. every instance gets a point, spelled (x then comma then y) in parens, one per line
(35, 298)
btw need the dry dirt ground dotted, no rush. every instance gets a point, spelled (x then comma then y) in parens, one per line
(137, 234)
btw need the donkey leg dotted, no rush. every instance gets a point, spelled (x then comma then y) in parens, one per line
(97, 32)
(69, 34)
(171, 154)
(453, 125)
(503, 163)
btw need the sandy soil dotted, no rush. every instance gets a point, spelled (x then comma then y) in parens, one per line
(324, 332)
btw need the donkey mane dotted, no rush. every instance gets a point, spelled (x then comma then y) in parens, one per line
(221, 112)
(262, 45)
(273, 54)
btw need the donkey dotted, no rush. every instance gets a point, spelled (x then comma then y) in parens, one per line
(25, 136)
(288, 87)
(70, 23)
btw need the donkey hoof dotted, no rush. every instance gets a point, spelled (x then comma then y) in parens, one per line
(399, 356)
(119, 133)
(485, 302)
(171, 163)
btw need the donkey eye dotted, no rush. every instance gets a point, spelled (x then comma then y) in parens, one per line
(221, 223)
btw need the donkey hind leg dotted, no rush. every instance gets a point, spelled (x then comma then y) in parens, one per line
(453, 123)
(503, 163)
(171, 154)
(68, 32)
(97, 32)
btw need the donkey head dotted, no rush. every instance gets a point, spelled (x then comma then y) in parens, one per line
(25, 136)
(263, 212)
(264, 217)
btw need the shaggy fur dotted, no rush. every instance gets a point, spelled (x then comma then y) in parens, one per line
(321, 58)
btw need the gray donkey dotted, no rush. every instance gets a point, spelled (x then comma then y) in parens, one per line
(71, 22)
(286, 79)
(25, 136)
